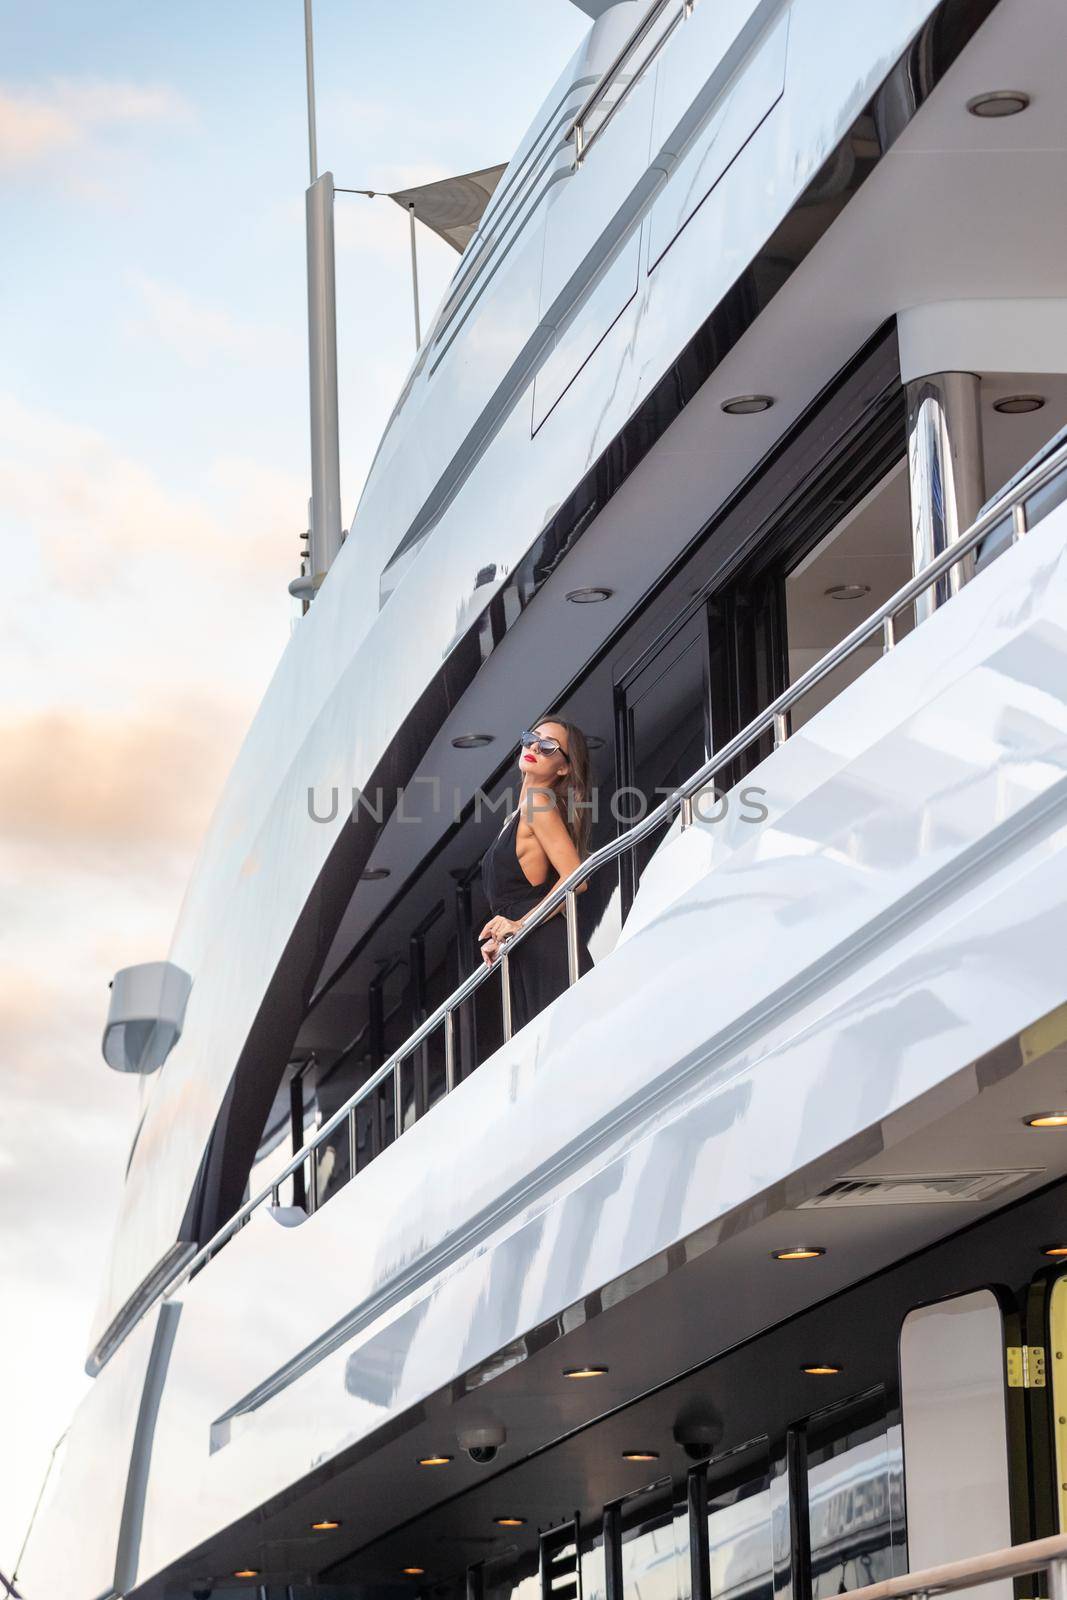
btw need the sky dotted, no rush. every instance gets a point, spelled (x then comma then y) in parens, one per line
(153, 487)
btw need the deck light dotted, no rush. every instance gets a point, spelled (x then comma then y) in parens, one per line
(374, 874)
(1019, 405)
(640, 1455)
(998, 103)
(1054, 1250)
(434, 1461)
(471, 741)
(799, 1252)
(747, 405)
(847, 591)
(1047, 1119)
(589, 597)
(585, 1372)
(325, 1526)
(821, 1369)
(510, 1522)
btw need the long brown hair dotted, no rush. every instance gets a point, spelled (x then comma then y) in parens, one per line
(573, 790)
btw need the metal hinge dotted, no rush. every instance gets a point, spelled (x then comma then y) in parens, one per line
(1026, 1366)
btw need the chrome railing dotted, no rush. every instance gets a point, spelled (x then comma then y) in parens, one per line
(1012, 504)
(613, 73)
(1017, 1561)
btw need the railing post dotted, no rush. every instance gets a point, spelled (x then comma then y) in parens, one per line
(1018, 521)
(781, 728)
(571, 914)
(889, 634)
(687, 811)
(353, 1142)
(505, 994)
(313, 1178)
(450, 1052)
(398, 1098)
(1057, 1580)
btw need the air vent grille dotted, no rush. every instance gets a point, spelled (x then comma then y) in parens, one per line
(919, 1189)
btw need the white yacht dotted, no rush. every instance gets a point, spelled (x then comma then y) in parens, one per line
(735, 1274)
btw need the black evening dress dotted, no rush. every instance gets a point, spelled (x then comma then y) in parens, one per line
(537, 966)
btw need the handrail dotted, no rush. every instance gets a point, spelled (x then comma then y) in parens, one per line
(1039, 1555)
(774, 718)
(638, 34)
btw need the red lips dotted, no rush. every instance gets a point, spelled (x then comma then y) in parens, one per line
(530, 758)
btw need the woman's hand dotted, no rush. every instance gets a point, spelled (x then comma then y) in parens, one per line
(495, 931)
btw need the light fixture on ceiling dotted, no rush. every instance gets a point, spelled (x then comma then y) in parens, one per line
(1054, 1250)
(822, 1369)
(1047, 1119)
(747, 405)
(471, 741)
(510, 1522)
(374, 874)
(589, 597)
(847, 591)
(585, 1372)
(799, 1252)
(640, 1455)
(593, 741)
(327, 1525)
(1019, 405)
(998, 103)
(413, 1572)
(434, 1461)
(247, 1572)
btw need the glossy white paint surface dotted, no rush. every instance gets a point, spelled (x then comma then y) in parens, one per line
(317, 725)
(807, 979)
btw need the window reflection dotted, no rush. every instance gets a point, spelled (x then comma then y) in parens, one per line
(740, 1555)
(651, 1543)
(856, 1508)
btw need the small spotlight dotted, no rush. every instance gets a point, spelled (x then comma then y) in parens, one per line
(998, 103)
(247, 1572)
(585, 1372)
(325, 1526)
(510, 1522)
(1047, 1119)
(1054, 1250)
(413, 1572)
(434, 1461)
(588, 597)
(821, 1369)
(471, 741)
(799, 1252)
(593, 741)
(1019, 405)
(374, 874)
(640, 1455)
(847, 591)
(747, 405)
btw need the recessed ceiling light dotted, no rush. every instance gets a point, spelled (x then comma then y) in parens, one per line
(847, 591)
(584, 1372)
(510, 1522)
(1055, 1250)
(821, 1369)
(747, 405)
(799, 1252)
(247, 1572)
(413, 1572)
(434, 1461)
(588, 597)
(471, 741)
(998, 103)
(1019, 405)
(1047, 1119)
(374, 874)
(593, 741)
(640, 1455)
(325, 1526)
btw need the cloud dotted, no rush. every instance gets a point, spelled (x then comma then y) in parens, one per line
(37, 125)
(97, 516)
(205, 335)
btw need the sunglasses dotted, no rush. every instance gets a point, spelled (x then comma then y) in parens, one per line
(545, 747)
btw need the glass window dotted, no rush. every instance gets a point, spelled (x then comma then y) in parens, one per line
(740, 1553)
(855, 1503)
(655, 1540)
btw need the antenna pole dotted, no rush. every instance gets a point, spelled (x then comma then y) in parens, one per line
(309, 56)
(414, 272)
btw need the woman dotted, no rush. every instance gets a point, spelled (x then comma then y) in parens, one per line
(542, 841)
